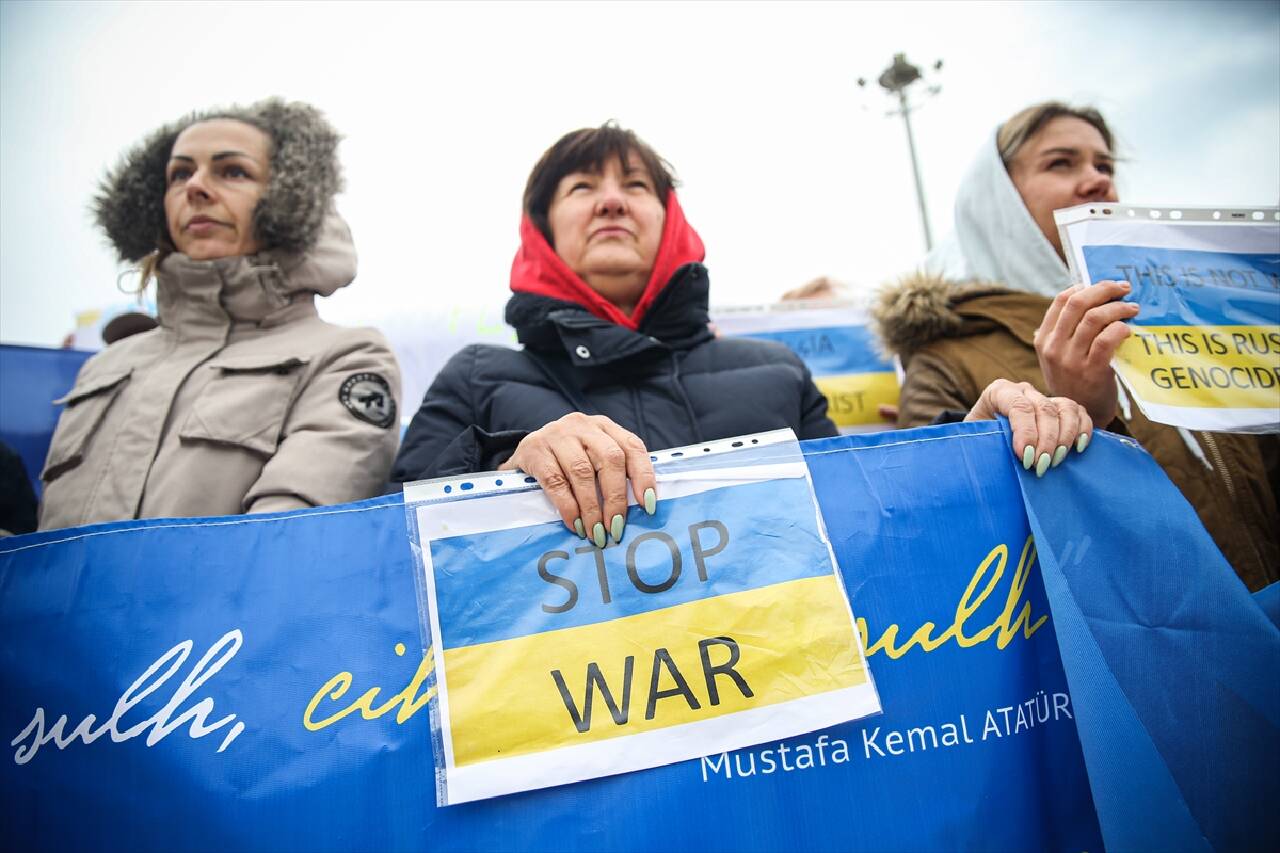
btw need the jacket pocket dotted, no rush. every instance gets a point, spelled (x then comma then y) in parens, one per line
(245, 403)
(86, 406)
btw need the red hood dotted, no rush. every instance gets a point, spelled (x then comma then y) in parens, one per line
(538, 269)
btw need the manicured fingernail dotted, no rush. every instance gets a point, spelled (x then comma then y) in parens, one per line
(616, 527)
(650, 501)
(577, 525)
(1082, 442)
(1028, 456)
(597, 535)
(1059, 455)
(1043, 464)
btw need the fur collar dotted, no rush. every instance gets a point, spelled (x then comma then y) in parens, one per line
(923, 307)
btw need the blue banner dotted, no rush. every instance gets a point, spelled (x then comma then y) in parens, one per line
(31, 378)
(259, 682)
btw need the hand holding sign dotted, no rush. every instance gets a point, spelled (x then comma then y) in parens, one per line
(1077, 339)
(721, 623)
(569, 457)
(1205, 353)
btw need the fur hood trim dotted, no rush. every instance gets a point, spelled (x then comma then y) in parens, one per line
(305, 176)
(920, 308)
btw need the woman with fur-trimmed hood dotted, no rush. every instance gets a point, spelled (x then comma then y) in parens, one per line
(243, 399)
(996, 302)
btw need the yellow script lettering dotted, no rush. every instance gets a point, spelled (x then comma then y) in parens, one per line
(992, 569)
(407, 700)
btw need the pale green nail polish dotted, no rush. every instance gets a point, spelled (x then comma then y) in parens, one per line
(1028, 456)
(1059, 455)
(577, 525)
(1082, 442)
(650, 501)
(597, 535)
(616, 527)
(1043, 464)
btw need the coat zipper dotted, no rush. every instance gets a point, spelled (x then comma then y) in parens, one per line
(684, 398)
(641, 421)
(1219, 463)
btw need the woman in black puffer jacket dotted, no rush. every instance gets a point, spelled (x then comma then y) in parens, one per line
(611, 306)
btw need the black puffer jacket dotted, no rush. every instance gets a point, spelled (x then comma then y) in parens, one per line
(671, 382)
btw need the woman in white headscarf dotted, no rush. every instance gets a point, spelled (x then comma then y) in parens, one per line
(997, 301)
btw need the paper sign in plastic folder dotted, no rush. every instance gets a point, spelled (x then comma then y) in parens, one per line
(1205, 348)
(716, 623)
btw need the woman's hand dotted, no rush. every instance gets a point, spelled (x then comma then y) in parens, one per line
(1076, 340)
(1044, 428)
(573, 456)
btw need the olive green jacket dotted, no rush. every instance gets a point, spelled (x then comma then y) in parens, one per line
(954, 339)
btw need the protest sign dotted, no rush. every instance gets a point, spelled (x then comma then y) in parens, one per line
(838, 347)
(718, 623)
(256, 683)
(1205, 352)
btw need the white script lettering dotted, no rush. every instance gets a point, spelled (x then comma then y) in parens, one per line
(160, 723)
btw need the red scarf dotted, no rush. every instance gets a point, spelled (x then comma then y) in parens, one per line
(538, 269)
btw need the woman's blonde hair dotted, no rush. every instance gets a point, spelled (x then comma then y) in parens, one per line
(1024, 124)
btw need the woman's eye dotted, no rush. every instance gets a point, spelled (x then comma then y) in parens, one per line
(579, 185)
(1060, 163)
(1106, 168)
(233, 171)
(179, 175)
(639, 184)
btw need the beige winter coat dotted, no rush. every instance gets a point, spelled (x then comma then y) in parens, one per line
(955, 339)
(243, 400)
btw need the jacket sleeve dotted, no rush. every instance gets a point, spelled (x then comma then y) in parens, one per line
(447, 435)
(814, 422)
(932, 393)
(327, 453)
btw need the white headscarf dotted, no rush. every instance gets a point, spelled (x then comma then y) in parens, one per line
(995, 238)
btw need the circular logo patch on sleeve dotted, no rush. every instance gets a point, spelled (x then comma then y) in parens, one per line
(368, 397)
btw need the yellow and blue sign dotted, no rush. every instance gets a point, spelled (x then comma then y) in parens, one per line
(1205, 348)
(840, 351)
(1208, 334)
(716, 623)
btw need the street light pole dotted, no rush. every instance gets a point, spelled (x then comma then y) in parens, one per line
(895, 79)
(915, 170)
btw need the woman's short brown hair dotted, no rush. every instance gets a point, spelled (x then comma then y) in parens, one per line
(586, 150)
(1024, 124)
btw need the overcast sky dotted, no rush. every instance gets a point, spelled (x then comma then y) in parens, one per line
(789, 170)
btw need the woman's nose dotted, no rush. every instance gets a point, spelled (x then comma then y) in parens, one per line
(611, 201)
(197, 185)
(1096, 185)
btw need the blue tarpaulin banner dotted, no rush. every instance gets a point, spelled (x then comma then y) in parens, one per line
(260, 682)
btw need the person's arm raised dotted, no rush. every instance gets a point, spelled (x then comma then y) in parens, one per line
(1077, 339)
